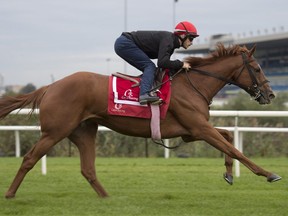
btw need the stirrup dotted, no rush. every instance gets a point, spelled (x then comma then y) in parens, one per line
(160, 101)
(146, 98)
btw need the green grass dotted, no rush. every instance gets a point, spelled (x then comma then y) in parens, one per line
(153, 186)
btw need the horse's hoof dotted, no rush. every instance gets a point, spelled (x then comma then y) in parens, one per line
(228, 178)
(9, 196)
(273, 178)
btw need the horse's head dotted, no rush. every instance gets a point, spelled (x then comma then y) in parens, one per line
(252, 79)
(243, 71)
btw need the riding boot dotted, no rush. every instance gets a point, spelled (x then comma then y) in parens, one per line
(145, 87)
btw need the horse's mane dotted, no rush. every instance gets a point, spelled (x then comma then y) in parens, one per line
(220, 52)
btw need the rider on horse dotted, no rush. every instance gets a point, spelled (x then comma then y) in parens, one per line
(139, 47)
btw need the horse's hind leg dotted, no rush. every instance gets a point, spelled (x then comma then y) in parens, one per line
(29, 160)
(84, 138)
(228, 176)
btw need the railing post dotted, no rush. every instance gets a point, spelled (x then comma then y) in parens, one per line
(166, 150)
(236, 144)
(17, 143)
(241, 142)
(44, 165)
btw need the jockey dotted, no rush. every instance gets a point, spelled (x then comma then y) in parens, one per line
(139, 47)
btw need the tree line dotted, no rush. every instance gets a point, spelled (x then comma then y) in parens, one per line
(112, 144)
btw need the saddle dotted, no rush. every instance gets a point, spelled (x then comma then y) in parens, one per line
(123, 99)
(158, 80)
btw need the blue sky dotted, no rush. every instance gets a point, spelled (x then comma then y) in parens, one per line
(42, 41)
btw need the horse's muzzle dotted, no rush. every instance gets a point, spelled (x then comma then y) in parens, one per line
(266, 98)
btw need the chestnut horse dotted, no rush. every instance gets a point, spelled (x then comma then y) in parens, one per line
(74, 106)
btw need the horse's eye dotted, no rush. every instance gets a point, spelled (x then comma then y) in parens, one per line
(257, 70)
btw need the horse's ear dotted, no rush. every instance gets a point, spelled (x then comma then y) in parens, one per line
(252, 50)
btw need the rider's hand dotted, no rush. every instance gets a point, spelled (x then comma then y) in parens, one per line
(186, 66)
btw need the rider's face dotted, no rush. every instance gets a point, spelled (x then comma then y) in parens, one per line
(187, 43)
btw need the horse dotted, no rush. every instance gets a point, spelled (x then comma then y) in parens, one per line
(74, 106)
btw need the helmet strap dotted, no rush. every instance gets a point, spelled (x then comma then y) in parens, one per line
(186, 35)
(182, 39)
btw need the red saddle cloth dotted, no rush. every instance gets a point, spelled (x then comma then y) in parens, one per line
(123, 98)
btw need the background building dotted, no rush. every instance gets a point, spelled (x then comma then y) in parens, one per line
(271, 53)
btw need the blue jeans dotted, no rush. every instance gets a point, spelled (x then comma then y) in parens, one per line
(131, 53)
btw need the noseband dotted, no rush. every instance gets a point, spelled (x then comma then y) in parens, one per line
(253, 90)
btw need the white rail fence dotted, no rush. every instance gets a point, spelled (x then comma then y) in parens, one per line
(238, 131)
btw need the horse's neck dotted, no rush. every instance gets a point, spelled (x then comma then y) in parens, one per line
(209, 86)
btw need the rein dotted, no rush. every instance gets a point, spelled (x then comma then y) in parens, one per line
(253, 90)
(168, 80)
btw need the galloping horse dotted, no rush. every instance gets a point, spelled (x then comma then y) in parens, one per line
(74, 106)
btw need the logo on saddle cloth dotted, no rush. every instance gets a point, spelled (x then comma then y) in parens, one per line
(124, 94)
(128, 95)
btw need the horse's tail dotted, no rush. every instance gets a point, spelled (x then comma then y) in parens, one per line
(8, 104)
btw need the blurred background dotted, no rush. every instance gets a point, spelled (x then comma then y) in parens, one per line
(44, 41)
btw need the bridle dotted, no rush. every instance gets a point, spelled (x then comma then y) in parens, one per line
(253, 90)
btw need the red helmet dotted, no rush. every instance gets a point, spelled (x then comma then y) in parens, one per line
(185, 28)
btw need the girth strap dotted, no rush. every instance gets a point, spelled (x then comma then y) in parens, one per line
(155, 122)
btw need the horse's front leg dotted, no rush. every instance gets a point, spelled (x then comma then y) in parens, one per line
(228, 176)
(209, 134)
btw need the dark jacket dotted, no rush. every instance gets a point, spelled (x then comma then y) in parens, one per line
(158, 45)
